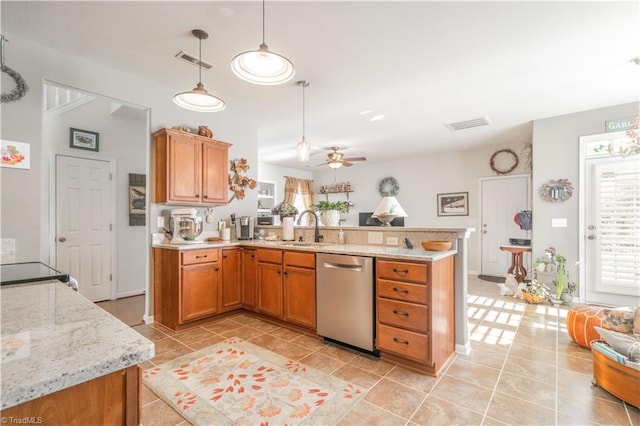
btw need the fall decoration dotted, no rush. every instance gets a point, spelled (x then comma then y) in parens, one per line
(237, 181)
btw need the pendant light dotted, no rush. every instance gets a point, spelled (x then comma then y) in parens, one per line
(262, 66)
(304, 149)
(199, 99)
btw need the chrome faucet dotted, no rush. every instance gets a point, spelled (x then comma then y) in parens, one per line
(316, 234)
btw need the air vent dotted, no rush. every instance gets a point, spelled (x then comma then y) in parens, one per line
(476, 122)
(192, 59)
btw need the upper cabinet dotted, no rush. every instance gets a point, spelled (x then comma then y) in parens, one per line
(190, 168)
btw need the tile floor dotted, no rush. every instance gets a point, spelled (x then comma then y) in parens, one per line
(523, 370)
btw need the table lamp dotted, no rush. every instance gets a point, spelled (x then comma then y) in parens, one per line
(387, 210)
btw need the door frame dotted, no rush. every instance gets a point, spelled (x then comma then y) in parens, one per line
(53, 174)
(582, 206)
(529, 201)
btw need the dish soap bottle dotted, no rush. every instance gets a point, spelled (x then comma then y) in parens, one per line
(340, 236)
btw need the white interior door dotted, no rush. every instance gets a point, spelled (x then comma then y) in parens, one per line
(612, 234)
(83, 240)
(501, 198)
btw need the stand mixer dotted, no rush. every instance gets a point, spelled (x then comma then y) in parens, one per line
(184, 226)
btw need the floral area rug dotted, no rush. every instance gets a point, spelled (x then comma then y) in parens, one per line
(237, 383)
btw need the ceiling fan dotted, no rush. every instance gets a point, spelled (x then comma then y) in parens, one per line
(336, 159)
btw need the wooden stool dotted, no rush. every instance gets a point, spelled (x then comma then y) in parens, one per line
(581, 321)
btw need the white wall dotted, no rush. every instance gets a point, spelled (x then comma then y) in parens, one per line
(556, 155)
(25, 206)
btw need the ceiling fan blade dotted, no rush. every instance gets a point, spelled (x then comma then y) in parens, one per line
(321, 164)
(347, 164)
(356, 159)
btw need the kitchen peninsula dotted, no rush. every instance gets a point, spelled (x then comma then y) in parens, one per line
(196, 282)
(65, 360)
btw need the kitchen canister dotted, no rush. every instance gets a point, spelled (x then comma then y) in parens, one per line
(226, 234)
(287, 229)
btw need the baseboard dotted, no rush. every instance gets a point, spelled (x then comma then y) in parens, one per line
(148, 319)
(463, 349)
(129, 294)
(476, 273)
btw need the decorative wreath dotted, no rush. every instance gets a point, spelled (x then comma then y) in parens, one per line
(388, 186)
(501, 153)
(556, 190)
(21, 86)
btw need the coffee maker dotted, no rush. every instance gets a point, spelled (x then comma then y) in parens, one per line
(244, 228)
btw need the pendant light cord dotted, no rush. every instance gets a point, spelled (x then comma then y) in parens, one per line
(263, 21)
(303, 111)
(200, 60)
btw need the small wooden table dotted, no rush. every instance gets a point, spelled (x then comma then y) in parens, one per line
(516, 268)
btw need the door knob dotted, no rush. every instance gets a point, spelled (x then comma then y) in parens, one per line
(62, 239)
(591, 237)
(484, 232)
(591, 227)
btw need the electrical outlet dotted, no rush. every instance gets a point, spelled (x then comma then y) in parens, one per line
(375, 237)
(160, 222)
(392, 241)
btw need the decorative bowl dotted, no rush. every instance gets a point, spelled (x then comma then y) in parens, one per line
(436, 245)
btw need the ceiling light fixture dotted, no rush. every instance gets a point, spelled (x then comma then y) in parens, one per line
(262, 66)
(304, 149)
(199, 99)
(335, 164)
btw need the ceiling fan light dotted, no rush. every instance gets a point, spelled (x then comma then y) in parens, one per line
(335, 164)
(263, 67)
(200, 100)
(304, 150)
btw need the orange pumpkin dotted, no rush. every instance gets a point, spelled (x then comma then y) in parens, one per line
(581, 321)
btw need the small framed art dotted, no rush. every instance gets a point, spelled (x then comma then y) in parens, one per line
(84, 139)
(453, 204)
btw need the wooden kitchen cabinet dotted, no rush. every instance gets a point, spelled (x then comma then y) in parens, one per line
(186, 285)
(112, 399)
(231, 293)
(269, 274)
(190, 168)
(415, 312)
(300, 288)
(249, 279)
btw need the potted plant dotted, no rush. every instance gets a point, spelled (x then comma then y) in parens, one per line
(330, 211)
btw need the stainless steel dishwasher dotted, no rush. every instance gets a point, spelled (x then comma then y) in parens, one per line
(345, 300)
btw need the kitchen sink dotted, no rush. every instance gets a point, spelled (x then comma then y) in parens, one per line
(298, 244)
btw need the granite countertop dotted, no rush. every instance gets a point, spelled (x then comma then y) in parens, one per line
(54, 338)
(372, 250)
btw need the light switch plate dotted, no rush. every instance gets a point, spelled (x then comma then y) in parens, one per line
(559, 222)
(392, 241)
(160, 221)
(375, 237)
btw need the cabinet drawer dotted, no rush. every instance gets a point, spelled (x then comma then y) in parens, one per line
(270, 256)
(403, 314)
(403, 291)
(189, 257)
(404, 343)
(296, 258)
(402, 271)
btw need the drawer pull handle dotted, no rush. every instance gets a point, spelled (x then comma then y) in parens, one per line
(202, 257)
(405, 292)
(397, 312)
(197, 195)
(400, 271)
(403, 342)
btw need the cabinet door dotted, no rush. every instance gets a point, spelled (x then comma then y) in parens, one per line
(215, 160)
(249, 282)
(198, 298)
(300, 296)
(184, 176)
(231, 297)
(270, 289)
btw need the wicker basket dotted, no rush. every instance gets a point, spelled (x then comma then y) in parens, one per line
(532, 298)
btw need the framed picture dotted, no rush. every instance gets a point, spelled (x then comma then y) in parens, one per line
(16, 155)
(137, 199)
(84, 139)
(453, 204)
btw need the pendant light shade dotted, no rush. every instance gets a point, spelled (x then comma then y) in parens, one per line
(304, 148)
(199, 99)
(262, 66)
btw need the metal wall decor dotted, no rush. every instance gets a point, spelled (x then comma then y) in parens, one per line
(556, 190)
(504, 161)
